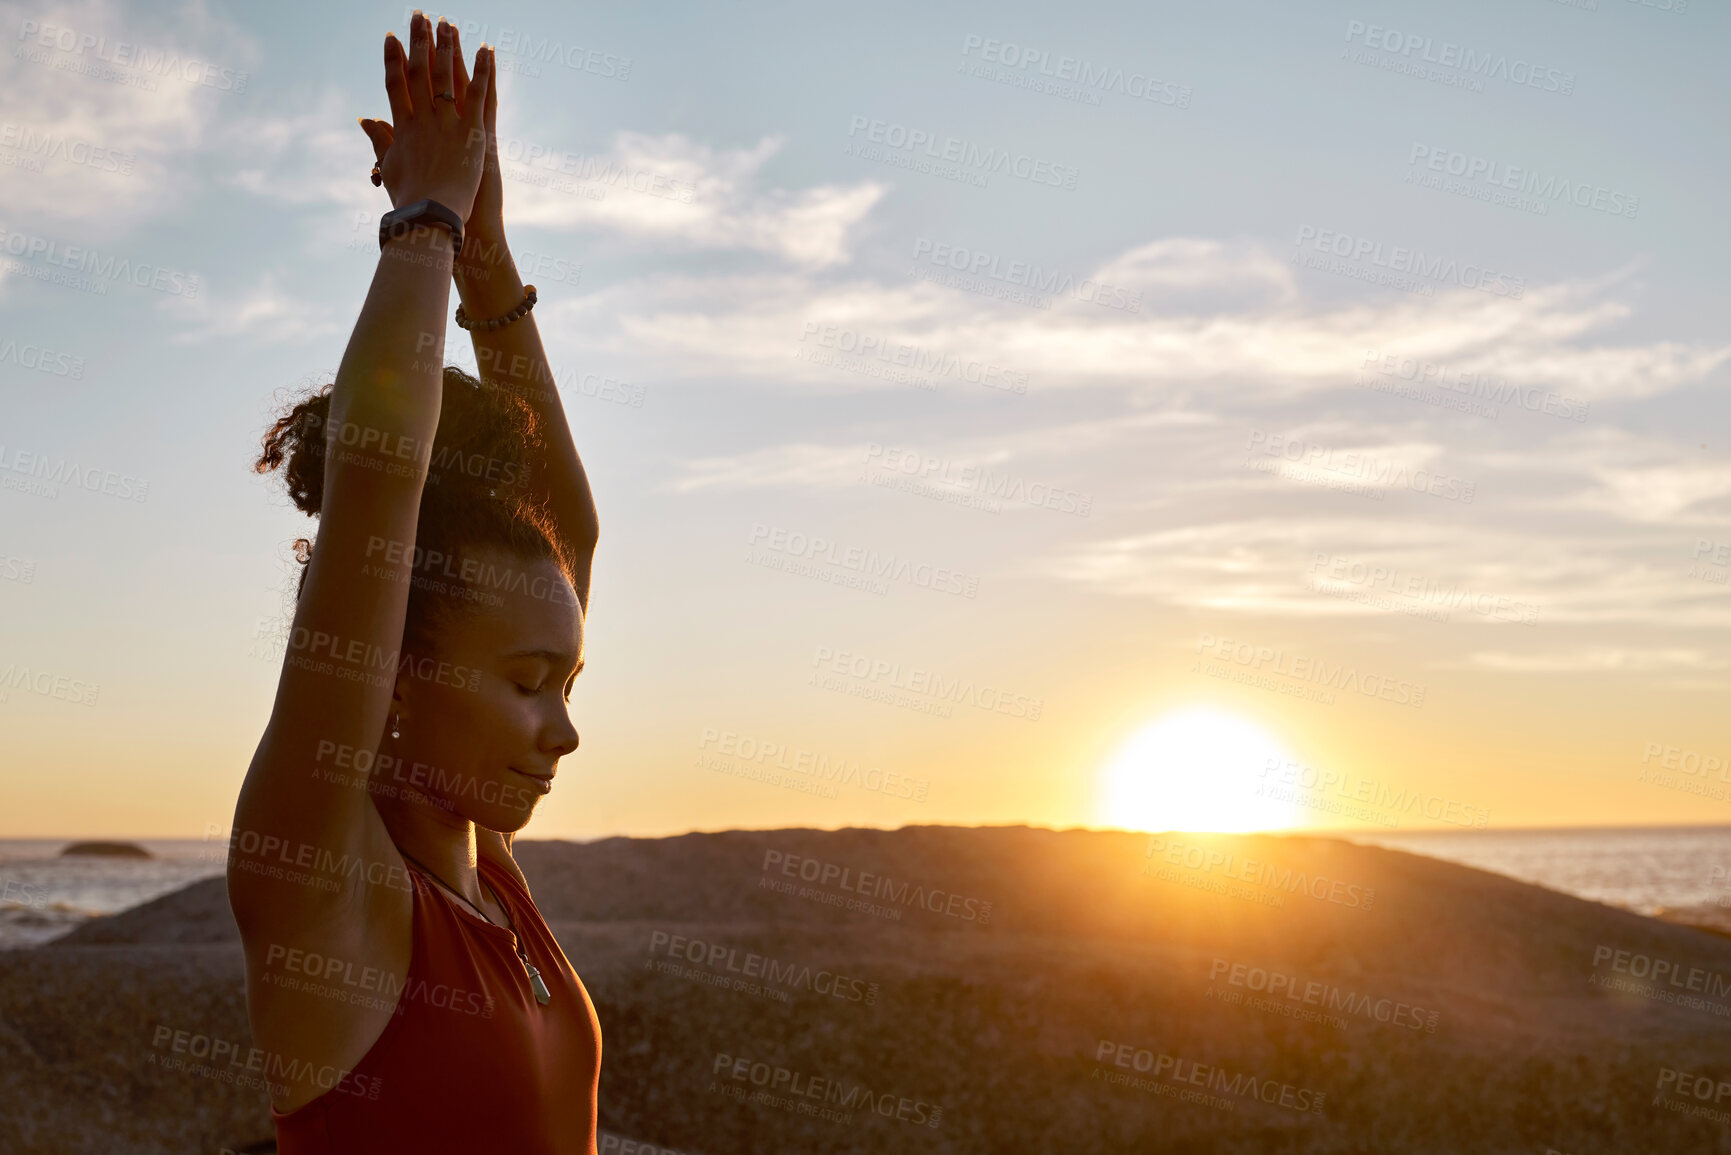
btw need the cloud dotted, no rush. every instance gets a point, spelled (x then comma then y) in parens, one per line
(104, 107)
(674, 189)
(940, 459)
(666, 190)
(1310, 565)
(1244, 328)
(1597, 660)
(264, 314)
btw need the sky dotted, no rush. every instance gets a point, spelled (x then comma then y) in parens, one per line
(1141, 415)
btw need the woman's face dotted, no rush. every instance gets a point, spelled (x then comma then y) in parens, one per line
(484, 713)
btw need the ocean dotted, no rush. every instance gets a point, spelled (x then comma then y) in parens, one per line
(1650, 870)
(43, 895)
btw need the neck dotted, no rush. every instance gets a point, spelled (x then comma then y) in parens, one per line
(439, 840)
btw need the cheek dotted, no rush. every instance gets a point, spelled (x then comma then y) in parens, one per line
(488, 723)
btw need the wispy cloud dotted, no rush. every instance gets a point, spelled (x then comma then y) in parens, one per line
(667, 190)
(1221, 315)
(105, 107)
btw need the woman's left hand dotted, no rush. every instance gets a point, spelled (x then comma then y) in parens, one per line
(485, 227)
(487, 220)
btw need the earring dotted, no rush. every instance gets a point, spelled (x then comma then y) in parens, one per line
(396, 731)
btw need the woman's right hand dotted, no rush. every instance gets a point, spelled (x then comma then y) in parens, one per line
(432, 149)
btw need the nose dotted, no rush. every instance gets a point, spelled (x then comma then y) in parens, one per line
(560, 737)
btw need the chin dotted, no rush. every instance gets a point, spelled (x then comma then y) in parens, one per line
(505, 820)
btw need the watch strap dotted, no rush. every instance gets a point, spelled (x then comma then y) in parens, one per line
(423, 212)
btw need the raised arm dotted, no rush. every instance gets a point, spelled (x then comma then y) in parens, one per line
(341, 663)
(512, 357)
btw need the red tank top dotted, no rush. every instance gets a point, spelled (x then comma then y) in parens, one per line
(469, 1061)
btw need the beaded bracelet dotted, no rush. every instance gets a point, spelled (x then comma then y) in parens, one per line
(463, 321)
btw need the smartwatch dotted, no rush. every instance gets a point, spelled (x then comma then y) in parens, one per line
(426, 212)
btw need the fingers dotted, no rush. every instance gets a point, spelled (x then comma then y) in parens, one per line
(397, 80)
(381, 134)
(442, 81)
(459, 71)
(420, 63)
(480, 91)
(492, 105)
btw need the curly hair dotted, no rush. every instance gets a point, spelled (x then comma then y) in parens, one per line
(476, 497)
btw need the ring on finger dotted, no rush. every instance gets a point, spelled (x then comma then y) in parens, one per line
(450, 96)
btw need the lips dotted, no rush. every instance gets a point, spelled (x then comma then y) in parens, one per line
(543, 783)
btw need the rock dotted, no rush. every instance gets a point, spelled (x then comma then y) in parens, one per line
(107, 850)
(1528, 1037)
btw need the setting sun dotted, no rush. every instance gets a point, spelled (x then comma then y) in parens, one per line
(1195, 770)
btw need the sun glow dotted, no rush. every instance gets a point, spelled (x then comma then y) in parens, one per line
(1196, 770)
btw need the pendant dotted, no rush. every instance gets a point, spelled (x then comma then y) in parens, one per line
(542, 994)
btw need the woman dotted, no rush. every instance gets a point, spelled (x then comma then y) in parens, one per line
(404, 992)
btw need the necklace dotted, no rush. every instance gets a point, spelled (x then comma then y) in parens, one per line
(542, 994)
